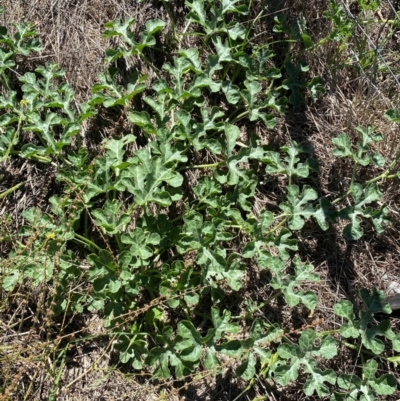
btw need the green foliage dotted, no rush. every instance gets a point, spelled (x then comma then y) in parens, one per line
(303, 355)
(288, 283)
(369, 385)
(362, 194)
(132, 45)
(361, 155)
(363, 326)
(166, 246)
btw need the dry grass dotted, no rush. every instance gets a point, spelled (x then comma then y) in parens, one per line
(30, 339)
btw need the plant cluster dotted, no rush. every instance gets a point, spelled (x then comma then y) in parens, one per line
(164, 214)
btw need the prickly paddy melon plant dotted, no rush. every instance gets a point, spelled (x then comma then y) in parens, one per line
(158, 227)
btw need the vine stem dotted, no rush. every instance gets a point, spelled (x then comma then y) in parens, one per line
(119, 243)
(211, 165)
(207, 165)
(87, 241)
(10, 190)
(237, 118)
(282, 223)
(271, 298)
(327, 332)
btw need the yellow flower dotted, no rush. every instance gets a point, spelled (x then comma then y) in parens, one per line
(50, 236)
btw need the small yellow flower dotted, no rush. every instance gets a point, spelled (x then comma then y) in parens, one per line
(50, 236)
(23, 102)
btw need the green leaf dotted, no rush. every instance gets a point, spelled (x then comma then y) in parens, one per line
(298, 209)
(283, 242)
(375, 303)
(343, 146)
(116, 151)
(324, 213)
(396, 342)
(211, 361)
(9, 281)
(214, 262)
(362, 154)
(344, 309)
(103, 273)
(291, 165)
(188, 342)
(132, 347)
(222, 323)
(178, 70)
(29, 151)
(24, 40)
(203, 80)
(384, 385)
(198, 14)
(109, 218)
(304, 354)
(154, 25)
(369, 336)
(351, 384)
(117, 28)
(45, 129)
(141, 242)
(192, 54)
(284, 374)
(295, 82)
(288, 283)
(223, 49)
(145, 180)
(210, 121)
(378, 159)
(250, 93)
(316, 382)
(316, 87)
(232, 134)
(368, 136)
(235, 173)
(171, 155)
(142, 119)
(247, 369)
(208, 192)
(234, 272)
(233, 7)
(294, 168)
(393, 115)
(361, 197)
(237, 31)
(159, 357)
(110, 93)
